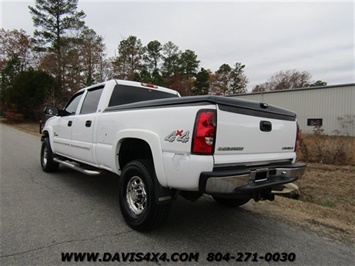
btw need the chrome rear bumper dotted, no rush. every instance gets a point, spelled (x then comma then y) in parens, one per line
(249, 179)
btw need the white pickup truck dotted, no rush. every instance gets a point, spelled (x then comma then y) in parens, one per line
(162, 145)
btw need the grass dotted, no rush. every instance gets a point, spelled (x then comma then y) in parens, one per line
(326, 204)
(331, 186)
(318, 148)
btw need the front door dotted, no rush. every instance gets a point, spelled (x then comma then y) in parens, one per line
(83, 127)
(62, 131)
(62, 135)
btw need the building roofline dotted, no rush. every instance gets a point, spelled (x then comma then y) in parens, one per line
(298, 89)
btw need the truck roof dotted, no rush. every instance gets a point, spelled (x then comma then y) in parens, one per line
(134, 84)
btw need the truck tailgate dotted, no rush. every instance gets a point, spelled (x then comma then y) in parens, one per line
(254, 132)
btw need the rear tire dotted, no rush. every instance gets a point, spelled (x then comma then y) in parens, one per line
(47, 162)
(137, 197)
(230, 202)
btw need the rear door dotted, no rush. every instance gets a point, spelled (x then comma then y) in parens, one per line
(84, 125)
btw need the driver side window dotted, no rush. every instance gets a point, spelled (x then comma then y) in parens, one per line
(72, 105)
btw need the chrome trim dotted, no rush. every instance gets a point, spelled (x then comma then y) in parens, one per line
(290, 172)
(76, 167)
(228, 184)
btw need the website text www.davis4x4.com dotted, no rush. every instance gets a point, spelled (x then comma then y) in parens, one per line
(157, 257)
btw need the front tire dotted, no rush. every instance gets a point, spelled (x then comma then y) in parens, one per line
(47, 162)
(137, 197)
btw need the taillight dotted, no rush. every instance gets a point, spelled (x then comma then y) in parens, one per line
(298, 137)
(204, 135)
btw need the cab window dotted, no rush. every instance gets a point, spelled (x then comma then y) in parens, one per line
(72, 105)
(91, 101)
(123, 94)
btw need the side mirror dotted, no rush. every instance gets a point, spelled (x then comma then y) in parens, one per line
(51, 110)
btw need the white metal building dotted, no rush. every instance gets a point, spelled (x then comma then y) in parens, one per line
(332, 107)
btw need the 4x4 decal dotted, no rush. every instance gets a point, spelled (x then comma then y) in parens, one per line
(178, 135)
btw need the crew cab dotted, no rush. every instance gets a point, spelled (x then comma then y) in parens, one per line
(162, 145)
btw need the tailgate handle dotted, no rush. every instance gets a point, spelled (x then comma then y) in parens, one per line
(265, 126)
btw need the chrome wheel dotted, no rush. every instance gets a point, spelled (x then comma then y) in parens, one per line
(136, 195)
(45, 156)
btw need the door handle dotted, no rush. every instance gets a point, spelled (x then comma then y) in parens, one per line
(70, 123)
(88, 123)
(265, 126)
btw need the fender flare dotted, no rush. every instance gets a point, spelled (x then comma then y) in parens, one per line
(152, 139)
(48, 132)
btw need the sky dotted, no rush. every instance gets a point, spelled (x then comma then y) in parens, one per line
(267, 37)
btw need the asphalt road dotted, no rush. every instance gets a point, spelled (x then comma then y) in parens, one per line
(43, 215)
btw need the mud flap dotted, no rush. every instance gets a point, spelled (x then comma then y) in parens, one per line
(163, 195)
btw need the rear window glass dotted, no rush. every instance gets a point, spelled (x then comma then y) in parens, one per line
(123, 94)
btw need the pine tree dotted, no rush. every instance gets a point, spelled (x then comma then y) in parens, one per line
(189, 64)
(128, 62)
(152, 55)
(92, 53)
(238, 80)
(222, 81)
(202, 83)
(171, 60)
(55, 19)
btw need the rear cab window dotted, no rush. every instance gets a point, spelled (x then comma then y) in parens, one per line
(123, 94)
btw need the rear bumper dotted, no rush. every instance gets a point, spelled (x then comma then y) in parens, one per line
(249, 180)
